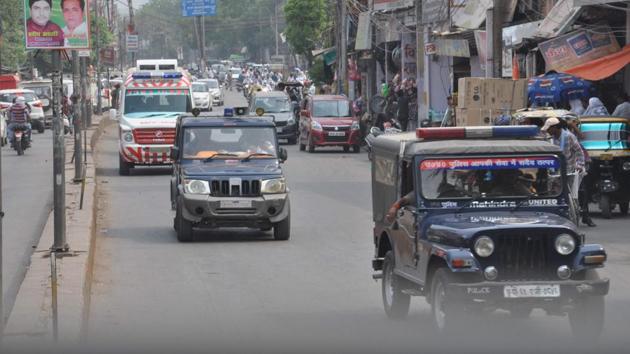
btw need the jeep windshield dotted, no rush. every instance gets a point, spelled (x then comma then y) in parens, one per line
(143, 103)
(605, 136)
(229, 143)
(491, 177)
(331, 108)
(273, 104)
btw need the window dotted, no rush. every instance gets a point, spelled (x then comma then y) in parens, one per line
(332, 108)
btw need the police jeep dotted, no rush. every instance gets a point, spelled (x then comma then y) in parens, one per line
(227, 173)
(488, 228)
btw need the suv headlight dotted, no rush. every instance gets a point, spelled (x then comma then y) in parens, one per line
(484, 246)
(273, 186)
(355, 126)
(194, 186)
(316, 126)
(626, 166)
(291, 121)
(565, 244)
(126, 136)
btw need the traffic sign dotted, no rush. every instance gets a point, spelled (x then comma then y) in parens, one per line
(132, 42)
(199, 8)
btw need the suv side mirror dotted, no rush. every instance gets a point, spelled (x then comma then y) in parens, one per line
(305, 113)
(174, 153)
(282, 154)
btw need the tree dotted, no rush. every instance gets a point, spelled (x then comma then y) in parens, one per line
(307, 21)
(12, 45)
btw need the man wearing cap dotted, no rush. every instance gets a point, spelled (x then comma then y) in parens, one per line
(573, 153)
(40, 31)
(19, 115)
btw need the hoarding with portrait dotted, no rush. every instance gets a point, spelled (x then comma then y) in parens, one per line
(56, 24)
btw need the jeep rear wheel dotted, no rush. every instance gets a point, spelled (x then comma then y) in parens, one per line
(184, 227)
(587, 317)
(446, 314)
(395, 302)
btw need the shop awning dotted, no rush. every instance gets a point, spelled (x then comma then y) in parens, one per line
(603, 67)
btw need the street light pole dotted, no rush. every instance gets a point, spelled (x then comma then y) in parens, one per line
(59, 178)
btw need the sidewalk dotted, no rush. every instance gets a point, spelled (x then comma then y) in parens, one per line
(30, 322)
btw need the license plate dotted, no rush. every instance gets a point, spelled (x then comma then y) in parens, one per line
(523, 291)
(606, 157)
(336, 133)
(235, 204)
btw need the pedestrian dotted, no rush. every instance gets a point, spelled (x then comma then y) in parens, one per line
(571, 149)
(115, 95)
(623, 109)
(19, 116)
(403, 109)
(584, 196)
(576, 106)
(595, 108)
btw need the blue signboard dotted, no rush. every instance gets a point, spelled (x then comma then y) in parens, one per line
(199, 8)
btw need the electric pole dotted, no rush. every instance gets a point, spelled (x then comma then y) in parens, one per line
(275, 11)
(131, 29)
(99, 85)
(494, 39)
(78, 116)
(59, 175)
(342, 46)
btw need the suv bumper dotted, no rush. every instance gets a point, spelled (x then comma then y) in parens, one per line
(253, 212)
(495, 290)
(146, 154)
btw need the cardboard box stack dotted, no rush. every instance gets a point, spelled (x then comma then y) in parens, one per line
(481, 100)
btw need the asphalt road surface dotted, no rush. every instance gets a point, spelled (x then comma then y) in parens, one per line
(240, 291)
(27, 201)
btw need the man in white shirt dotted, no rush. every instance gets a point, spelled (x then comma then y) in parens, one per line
(74, 16)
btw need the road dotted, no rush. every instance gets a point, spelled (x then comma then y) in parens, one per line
(239, 291)
(27, 201)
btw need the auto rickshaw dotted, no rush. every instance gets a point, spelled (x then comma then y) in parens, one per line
(538, 115)
(607, 140)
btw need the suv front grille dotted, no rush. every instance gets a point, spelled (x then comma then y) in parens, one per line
(244, 188)
(525, 255)
(149, 136)
(332, 128)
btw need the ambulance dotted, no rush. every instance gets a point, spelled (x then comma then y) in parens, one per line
(150, 102)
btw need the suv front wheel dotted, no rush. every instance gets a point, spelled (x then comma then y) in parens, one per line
(183, 227)
(446, 315)
(395, 302)
(282, 229)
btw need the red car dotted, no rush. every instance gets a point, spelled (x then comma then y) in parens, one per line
(328, 121)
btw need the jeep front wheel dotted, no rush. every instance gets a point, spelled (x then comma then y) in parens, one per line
(445, 313)
(587, 316)
(395, 302)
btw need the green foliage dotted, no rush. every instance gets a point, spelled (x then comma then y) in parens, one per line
(318, 74)
(12, 47)
(105, 38)
(307, 21)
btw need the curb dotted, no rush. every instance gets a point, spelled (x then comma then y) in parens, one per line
(30, 321)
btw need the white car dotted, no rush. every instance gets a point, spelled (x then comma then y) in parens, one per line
(201, 96)
(37, 108)
(215, 91)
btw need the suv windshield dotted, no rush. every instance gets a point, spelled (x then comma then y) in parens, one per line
(273, 104)
(605, 136)
(41, 91)
(9, 97)
(233, 142)
(149, 101)
(332, 108)
(491, 177)
(213, 84)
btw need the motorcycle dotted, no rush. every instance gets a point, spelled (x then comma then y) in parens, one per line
(20, 139)
(390, 128)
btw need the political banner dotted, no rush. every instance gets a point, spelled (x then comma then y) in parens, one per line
(57, 24)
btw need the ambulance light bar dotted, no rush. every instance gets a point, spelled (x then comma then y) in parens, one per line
(157, 75)
(512, 131)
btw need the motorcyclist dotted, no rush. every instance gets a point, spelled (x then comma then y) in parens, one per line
(19, 115)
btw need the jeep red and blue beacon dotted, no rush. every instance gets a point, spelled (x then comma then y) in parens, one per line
(477, 219)
(150, 104)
